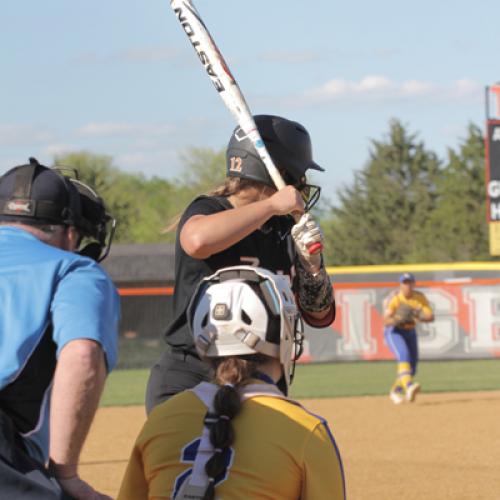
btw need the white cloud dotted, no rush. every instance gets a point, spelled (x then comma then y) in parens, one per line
(162, 163)
(104, 129)
(416, 88)
(19, 135)
(338, 88)
(115, 129)
(373, 83)
(332, 88)
(57, 149)
(466, 87)
(152, 148)
(378, 88)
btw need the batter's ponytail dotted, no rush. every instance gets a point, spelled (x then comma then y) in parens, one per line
(229, 374)
(232, 185)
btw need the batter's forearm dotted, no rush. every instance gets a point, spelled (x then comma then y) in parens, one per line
(314, 294)
(78, 384)
(206, 235)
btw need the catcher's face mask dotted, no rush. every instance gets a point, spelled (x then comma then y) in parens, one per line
(246, 310)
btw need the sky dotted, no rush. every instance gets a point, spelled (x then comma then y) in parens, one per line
(118, 77)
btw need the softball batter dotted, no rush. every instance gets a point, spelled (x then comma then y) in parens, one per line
(246, 221)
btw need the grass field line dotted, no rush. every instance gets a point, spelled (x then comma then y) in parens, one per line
(346, 379)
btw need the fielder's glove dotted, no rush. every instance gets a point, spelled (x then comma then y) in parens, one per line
(305, 233)
(404, 314)
(418, 314)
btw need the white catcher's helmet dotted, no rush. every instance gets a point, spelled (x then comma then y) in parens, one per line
(246, 310)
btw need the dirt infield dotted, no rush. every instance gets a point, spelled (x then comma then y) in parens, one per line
(444, 446)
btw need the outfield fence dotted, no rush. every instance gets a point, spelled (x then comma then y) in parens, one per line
(464, 296)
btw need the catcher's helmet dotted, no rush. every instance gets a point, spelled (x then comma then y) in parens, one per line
(246, 310)
(289, 145)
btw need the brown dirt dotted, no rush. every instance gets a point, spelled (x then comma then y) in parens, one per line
(443, 446)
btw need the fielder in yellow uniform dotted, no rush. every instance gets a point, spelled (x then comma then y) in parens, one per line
(238, 437)
(400, 318)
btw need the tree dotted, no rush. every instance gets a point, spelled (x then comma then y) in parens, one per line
(130, 198)
(404, 205)
(381, 217)
(144, 207)
(204, 169)
(458, 230)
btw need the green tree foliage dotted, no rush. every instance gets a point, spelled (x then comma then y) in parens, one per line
(458, 230)
(144, 207)
(404, 205)
(137, 203)
(204, 170)
(382, 216)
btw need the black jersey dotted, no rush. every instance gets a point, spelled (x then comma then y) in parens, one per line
(270, 247)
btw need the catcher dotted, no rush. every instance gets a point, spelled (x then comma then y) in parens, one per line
(238, 436)
(401, 315)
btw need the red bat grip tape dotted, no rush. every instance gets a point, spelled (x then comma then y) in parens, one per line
(315, 248)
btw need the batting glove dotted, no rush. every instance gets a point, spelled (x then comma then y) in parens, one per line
(305, 233)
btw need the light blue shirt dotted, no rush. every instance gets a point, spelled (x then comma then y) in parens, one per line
(41, 285)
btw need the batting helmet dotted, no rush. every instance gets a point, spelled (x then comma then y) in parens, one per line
(246, 310)
(289, 145)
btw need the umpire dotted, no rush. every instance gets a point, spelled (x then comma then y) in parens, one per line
(59, 315)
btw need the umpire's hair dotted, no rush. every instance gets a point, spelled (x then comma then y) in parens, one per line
(230, 373)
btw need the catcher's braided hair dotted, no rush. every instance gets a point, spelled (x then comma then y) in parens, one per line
(230, 373)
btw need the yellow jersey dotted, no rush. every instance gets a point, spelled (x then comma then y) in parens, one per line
(417, 300)
(281, 451)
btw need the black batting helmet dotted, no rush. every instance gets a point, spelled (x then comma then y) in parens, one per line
(289, 145)
(287, 142)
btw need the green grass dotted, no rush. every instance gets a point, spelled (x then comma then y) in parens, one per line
(367, 378)
(127, 387)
